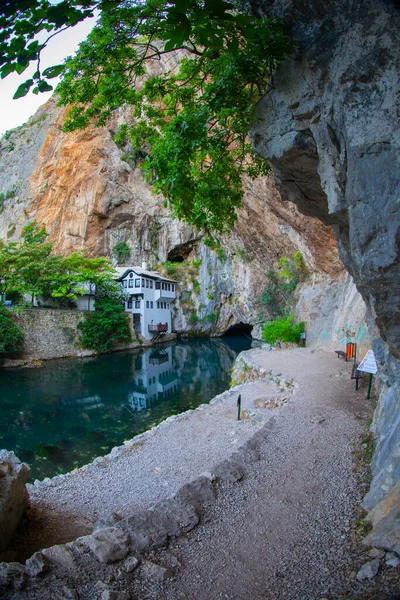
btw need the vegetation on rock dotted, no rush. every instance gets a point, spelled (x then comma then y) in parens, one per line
(121, 252)
(284, 330)
(277, 298)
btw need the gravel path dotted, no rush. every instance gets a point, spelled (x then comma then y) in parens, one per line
(283, 533)
(149, 468)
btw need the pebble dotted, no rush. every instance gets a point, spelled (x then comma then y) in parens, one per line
(369, 570)
(392, 560)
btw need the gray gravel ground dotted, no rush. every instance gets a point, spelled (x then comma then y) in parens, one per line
(134, 477)
(285, 532)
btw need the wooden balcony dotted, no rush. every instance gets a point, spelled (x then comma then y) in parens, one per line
(159, 328)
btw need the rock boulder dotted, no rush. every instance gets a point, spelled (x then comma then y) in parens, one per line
(13, 495)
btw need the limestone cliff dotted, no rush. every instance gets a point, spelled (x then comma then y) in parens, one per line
(331, 132)
(90, 194)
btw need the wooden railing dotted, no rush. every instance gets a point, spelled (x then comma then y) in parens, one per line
(160, 327)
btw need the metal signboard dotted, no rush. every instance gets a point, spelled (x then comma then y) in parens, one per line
(368, 363)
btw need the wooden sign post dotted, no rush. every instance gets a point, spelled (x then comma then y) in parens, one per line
(368, 365)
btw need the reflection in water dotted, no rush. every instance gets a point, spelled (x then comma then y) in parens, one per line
(65, 414)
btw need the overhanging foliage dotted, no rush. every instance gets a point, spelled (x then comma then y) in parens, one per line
(191, 117)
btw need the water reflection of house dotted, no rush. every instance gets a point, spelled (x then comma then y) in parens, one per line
(154, 379)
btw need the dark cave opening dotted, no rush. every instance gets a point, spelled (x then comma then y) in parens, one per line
(180, 252)
(239, 329)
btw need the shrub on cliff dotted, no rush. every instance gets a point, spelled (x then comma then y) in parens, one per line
(277, 298)
(284, 330)
(108, 324)
(11, 336)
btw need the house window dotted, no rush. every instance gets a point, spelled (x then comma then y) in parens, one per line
(169, 286)
(173, 287)
(125, 283)
(131, 275)
(158, 285)
(131, 283)
(167, 305)
(151, 304)
(147, 283)
(137, 282)
(163, 285)
(147, 304)
(151, 284)
(143, 282)
(137, 304)
(129, 303)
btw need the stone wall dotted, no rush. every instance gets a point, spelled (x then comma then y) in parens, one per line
(52, 333)
(330, 129)
(49, 333)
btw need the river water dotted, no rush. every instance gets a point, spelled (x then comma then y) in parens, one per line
(68, 412)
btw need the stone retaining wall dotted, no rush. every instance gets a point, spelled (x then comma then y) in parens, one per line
(52, 333)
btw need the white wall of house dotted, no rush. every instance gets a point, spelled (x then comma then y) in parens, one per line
(150, 300)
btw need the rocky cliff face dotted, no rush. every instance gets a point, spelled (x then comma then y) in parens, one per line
(330, 130)
(89, 194)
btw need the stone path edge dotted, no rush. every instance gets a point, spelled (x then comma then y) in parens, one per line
(151, 528)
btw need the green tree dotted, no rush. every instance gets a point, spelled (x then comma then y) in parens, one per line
(30, 267)
(191, 123)
(11, 336)
(109, 323)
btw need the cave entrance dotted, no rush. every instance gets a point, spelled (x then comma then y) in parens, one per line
(181, 252)
(239, 329)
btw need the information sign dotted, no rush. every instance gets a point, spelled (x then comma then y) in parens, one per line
(368, 363)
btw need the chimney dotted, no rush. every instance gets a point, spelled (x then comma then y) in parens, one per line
(144, 265)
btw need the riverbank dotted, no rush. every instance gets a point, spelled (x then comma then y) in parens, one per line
(53, 333)
(284, 532)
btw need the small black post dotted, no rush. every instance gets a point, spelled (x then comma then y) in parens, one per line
(239, 402)
(369, 386)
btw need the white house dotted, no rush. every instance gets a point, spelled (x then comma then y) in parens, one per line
(150, 300)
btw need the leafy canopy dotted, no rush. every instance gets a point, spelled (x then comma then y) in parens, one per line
(21, 21)
(191, 113)
(191, 117)
(30, 267)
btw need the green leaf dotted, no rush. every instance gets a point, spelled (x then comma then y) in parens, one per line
(42, 87)
(54, 71)
(7, 69)
(23, 89)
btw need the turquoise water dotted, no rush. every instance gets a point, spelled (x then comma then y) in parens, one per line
(63, 415)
